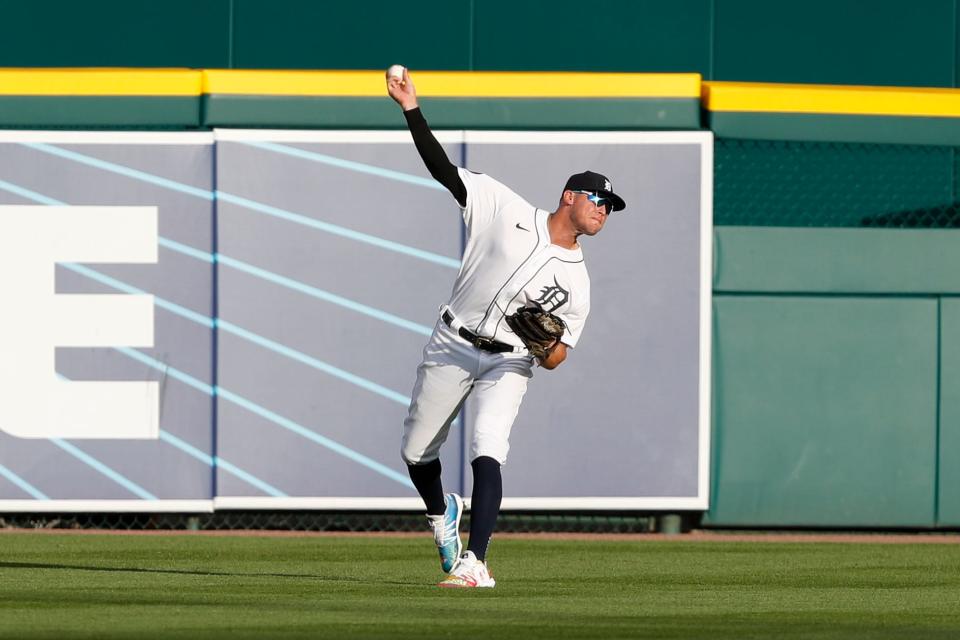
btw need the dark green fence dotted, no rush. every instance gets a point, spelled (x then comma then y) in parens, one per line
(821, 184)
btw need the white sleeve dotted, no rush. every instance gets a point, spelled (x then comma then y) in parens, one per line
(576, 317)
(486, 197)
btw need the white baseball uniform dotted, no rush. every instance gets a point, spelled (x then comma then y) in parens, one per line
(508, 262)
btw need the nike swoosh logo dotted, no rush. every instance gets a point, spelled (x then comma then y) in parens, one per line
(519, 227)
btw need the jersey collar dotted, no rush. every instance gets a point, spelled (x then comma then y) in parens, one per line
(561, 252)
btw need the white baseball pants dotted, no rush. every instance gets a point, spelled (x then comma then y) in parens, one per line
(451, 370)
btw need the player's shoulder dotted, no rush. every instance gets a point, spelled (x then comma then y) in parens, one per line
(484, 181)
(470, 174)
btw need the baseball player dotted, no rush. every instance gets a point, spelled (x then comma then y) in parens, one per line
(521, 297)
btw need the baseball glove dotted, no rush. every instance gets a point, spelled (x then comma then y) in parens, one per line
(538, 329)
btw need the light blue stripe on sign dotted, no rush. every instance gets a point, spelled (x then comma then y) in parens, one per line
(326, 296)
(231, 328)
(350, 165)
(136, 174)
(122, 286)
(232, 469)
(23, 484)
(296, 285)
(28, 194)
(167, 370)
(206, 321)
(293, 354)
(107, 280)
(246, 203)
(315, 437)
(249, 479)
(186, 447)
(337, 230)
(263, 412)
(89, 460)
(186, 250)
(233, 263)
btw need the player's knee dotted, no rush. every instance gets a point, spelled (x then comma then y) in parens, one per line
(416, 455)
(496, 448)
(408, 455)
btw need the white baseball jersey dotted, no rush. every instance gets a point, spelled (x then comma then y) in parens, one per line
(509, 262)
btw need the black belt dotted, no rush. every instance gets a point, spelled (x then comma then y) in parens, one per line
(485, 344)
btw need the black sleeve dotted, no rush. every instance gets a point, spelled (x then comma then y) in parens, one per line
(439, 166)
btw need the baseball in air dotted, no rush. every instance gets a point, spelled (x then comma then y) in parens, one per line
(395, 71)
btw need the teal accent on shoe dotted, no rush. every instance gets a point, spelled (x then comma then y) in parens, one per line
(448, 538)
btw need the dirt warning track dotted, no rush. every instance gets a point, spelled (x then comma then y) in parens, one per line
(692, 537)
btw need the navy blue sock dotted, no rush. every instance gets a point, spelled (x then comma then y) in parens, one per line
(485, 506)
(426, 478)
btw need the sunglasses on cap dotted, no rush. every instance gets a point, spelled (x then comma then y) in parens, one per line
(597, 200)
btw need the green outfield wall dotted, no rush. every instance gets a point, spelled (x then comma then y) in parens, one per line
(836, 359)
(889, 42)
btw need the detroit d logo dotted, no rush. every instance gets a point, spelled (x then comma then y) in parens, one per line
(552, 297)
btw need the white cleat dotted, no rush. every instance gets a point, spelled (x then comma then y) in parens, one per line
(469, 572)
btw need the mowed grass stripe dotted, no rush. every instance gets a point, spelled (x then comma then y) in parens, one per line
(201, 586)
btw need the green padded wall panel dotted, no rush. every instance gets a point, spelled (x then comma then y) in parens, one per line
(790, 260)
(604, 35)
(369, 34)
(116, 33)
(949, 503)
(573, 113)
(886, 42)
(232, 110)
(223, 110)
(111, 112)
(836, 128)
(825, 411)
(805, 184)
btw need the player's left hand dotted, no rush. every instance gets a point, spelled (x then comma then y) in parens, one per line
(539, 330)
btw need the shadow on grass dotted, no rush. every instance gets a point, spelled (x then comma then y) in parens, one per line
(187, 572)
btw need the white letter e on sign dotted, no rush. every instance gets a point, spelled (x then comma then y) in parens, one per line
(34, 402)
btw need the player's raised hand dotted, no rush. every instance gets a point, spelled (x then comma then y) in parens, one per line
(401, 89)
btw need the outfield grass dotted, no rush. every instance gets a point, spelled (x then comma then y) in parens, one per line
(184, 586)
